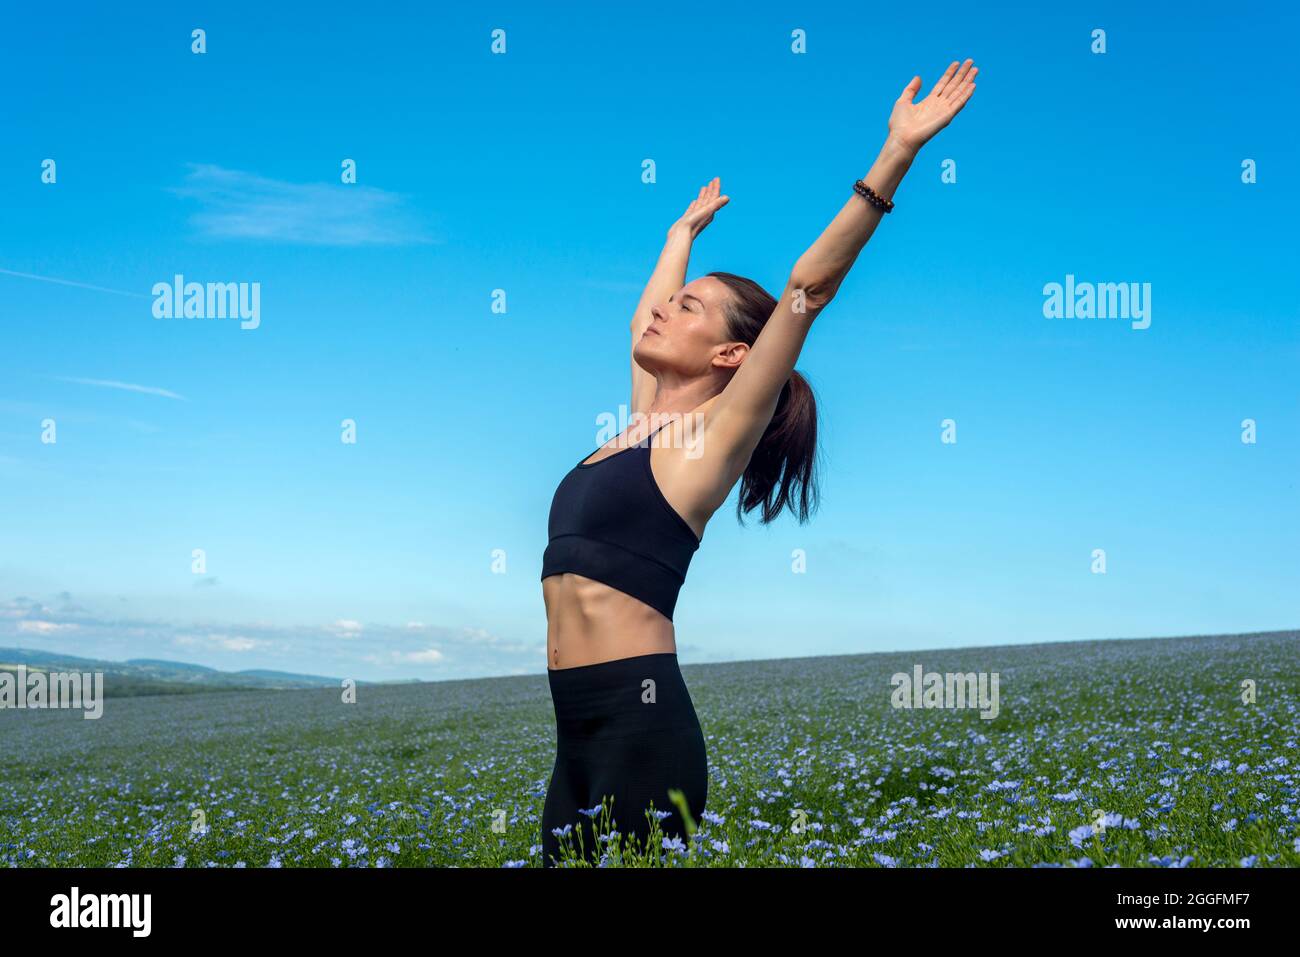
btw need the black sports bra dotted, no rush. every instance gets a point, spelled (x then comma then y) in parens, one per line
(610, 522)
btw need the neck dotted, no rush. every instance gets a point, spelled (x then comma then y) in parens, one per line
(683, 397)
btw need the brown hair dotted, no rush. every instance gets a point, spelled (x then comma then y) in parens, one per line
(782, 467)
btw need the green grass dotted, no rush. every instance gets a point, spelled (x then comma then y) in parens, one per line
(413, 775)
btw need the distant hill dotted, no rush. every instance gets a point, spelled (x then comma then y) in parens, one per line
(146, 676)
(163, 663)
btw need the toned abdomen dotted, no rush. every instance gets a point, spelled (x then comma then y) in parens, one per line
(588, 622)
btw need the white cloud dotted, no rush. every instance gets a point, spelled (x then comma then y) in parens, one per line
(70, 282)
(240, 205)
(44, 627)
(218, 641)
(235, 642)
(427, 656)
(125, 386)
(407, 647)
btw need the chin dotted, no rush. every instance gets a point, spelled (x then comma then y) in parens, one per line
(644, 347)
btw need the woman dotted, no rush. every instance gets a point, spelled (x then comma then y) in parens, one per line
(713, 369)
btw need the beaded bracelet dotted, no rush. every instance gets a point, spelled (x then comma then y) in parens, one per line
(872, 197)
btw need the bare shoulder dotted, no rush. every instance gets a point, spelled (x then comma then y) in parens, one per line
(691, 466)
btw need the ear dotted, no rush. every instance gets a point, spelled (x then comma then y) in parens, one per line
(731, 356)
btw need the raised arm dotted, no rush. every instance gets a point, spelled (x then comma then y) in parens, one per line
(742, 412)
(669, 276)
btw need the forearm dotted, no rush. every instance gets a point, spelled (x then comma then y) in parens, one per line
(827, 261)
(669, 274)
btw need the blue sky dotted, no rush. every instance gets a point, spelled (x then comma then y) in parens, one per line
(522, 172)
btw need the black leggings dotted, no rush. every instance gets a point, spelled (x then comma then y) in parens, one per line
(625, 729)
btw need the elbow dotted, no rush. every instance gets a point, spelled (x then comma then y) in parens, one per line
(812, 289)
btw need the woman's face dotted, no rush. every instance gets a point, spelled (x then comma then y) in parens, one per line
(686, 331)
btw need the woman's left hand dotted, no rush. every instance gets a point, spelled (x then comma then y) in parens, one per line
(700, 213)
(913, 124)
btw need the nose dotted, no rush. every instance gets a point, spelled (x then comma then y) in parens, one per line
(656, 313)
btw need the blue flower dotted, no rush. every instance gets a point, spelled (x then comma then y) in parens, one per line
(1079, 834)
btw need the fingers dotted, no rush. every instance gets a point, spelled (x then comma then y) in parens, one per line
(957, 94)
(709, 195)
(943, 80)
(962, 96)
(910, 91)
(708, 201)
(959, 81)
(716, 202)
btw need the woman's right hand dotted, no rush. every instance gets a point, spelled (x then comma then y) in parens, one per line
(913, 124)
(700, 213)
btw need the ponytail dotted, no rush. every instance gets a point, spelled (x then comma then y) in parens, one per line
(781, 472)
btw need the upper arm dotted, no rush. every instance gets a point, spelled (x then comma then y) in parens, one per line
(742, 412)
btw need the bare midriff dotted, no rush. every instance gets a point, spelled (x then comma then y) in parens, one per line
(588, 622)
